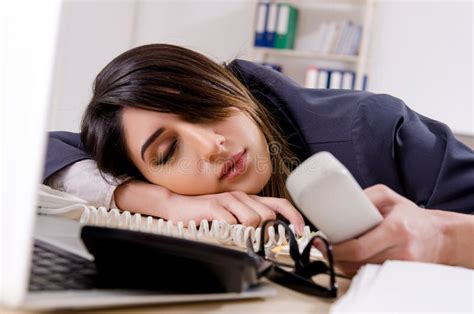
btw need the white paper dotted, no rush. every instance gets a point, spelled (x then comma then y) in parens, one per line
(400, 286)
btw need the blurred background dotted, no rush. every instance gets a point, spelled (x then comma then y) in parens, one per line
(419, 51)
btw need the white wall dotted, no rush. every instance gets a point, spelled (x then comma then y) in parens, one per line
(90, 35)
(220, 29)
(422, 53)
(430, 40)
(93, 32)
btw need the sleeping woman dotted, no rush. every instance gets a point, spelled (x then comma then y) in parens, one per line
(170, 133)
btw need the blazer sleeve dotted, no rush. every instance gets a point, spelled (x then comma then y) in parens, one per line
(417, 156)
(63, 149)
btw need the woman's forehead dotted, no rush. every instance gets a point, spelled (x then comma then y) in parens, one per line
(133, 116)
(138, 124)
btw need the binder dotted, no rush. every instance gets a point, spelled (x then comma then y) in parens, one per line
(346, 46)
(345, 29)
(337, 36)
(270, 32)
(311, 78)
(348, 80)
(260, 25)
(319, 38)
(354, 48)
(323, 79)
(286, 26)
(336, 80)
(364, 82)
(331, 33)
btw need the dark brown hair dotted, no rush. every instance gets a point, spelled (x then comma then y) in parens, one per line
(171, 79)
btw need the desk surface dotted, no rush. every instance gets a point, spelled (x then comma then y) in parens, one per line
(286, 301)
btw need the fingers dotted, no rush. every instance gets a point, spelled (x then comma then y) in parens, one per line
(251, 210)
(261, 209)
(383, 197)
(285, 208)
(385, 241)
(368, 245)
(224, 215)
(218, 213)
(243, 212)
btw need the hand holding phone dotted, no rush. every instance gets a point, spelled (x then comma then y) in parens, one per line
(327, 194)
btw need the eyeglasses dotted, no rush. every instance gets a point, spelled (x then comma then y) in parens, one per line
(300, 278)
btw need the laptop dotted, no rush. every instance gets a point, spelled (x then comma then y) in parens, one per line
(43, 263)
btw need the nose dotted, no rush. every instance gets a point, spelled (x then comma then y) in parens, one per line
(208, 143)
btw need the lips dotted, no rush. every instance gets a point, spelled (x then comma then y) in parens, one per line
(231, 163)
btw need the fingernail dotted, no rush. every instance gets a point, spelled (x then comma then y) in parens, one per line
(299, 229)
(302, 228)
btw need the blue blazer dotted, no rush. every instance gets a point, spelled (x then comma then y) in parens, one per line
(377, 137)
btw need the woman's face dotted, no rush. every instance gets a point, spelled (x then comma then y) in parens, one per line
(191, 158)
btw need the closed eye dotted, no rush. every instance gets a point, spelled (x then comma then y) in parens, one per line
(169, 154)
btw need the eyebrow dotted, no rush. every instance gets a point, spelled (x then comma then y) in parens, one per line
(150, 140)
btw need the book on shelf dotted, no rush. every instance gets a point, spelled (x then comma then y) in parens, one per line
(341, 37)
(336, 80)
(364, 82)
(348, 80)
(260, 25)
(345, 37)
(320, 37)
(311, 77)
(286, 26)
(276, 25)
(323, 79)
(329, 38)
(331, 78)
(271, 26)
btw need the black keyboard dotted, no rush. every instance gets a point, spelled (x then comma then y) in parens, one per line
(56, 269)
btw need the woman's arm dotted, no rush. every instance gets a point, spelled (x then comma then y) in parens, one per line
(415, 156)
(63, 150)
(231, 207)
(84, 180)
(458, 231)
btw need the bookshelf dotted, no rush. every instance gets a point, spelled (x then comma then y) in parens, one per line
(311, 14)
(291, 53)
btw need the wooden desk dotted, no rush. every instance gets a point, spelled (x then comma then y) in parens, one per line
(286, 301)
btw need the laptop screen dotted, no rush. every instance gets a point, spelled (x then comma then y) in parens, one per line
(27, 63)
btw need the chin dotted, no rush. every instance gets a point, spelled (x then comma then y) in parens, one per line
(255, 185)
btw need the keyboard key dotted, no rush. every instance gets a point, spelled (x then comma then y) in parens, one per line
(56, 269)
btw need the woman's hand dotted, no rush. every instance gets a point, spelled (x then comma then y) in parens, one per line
(231, 207)
(408, 232)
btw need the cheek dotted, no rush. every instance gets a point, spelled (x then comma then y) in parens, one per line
(262, 170)
(255, 139)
